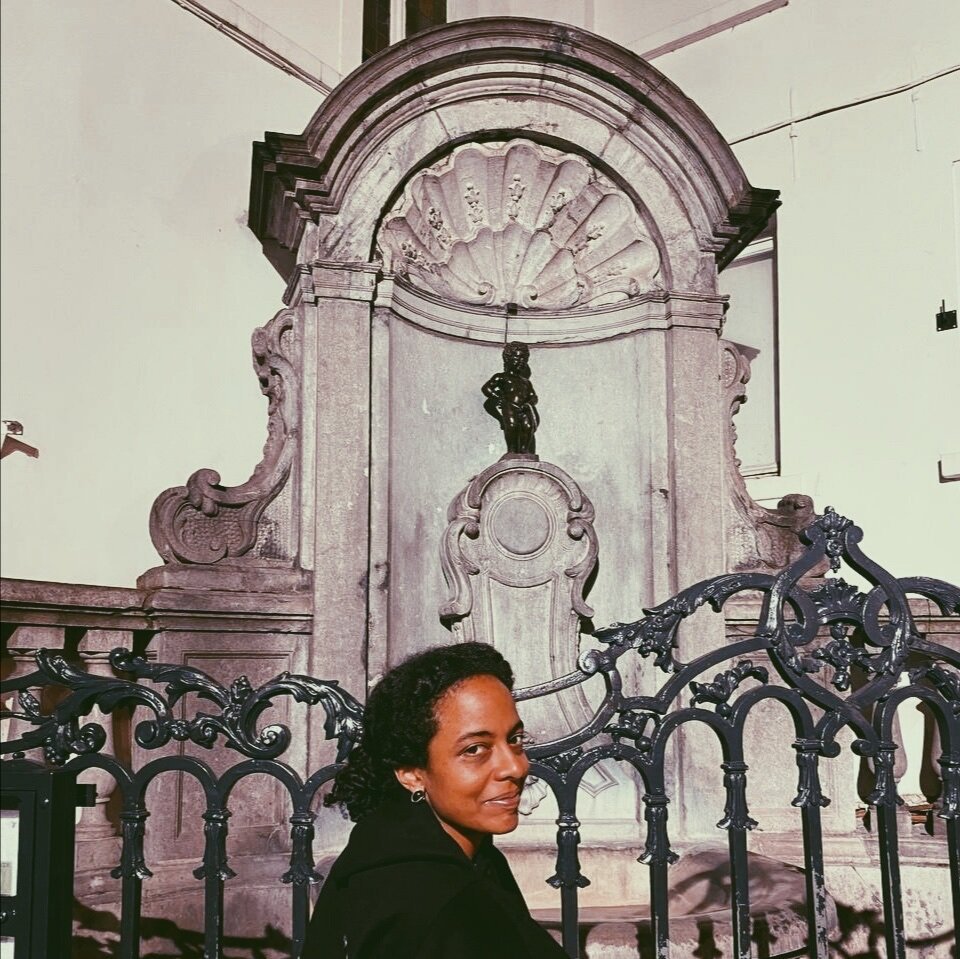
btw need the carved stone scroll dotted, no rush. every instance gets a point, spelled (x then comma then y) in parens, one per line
(517, 222)
(204, 522)
(758, 538)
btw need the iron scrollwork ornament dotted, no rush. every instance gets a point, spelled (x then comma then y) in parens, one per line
(563, 762)
(808, 786)
(241, 707)
(60, 734)
(833, 526)
(736, 815)
(656, 633)
(843, 655)
(800, 630)
(657, 849)
(301, 871)
(632, 725)
(944, 680)
(568, 875)
(725, 684)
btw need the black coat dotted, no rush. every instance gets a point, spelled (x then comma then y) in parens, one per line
(404, 888)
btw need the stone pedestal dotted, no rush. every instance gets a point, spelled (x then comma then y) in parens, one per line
(700, 910)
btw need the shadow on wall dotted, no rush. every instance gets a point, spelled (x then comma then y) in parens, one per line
(860, 936)
(96, 935)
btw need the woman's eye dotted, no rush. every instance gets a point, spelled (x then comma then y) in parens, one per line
(475, 750)
(521, 739)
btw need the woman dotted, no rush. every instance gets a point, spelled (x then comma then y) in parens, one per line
(438, 773)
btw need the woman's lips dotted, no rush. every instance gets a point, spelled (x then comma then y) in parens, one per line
(510, 801)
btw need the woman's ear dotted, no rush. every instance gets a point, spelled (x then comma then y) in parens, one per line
(410, 778)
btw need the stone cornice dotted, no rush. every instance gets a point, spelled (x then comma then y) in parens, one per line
(42, 603)
(659, 310)
(320, 279)
(204, 608)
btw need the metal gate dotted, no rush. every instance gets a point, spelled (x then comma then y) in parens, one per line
(835, 656)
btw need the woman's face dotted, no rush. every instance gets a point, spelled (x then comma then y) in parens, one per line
(476, 765)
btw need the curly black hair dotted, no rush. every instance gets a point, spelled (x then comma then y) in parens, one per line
(400, 720)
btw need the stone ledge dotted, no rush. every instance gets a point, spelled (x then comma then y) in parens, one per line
(264, 577)
(231, 603)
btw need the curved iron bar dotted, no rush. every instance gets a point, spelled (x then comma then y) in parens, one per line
(241, 707)
(803, 721)
(602, 715)
(122, 775)
(869, 641)
(682, 679)
(59, 733)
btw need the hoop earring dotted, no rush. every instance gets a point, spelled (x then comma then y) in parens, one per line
(418, 795)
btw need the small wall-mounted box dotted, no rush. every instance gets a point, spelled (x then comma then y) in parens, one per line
(946, 319)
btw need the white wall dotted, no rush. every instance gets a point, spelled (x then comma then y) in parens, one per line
(132, 283)
(867, 243)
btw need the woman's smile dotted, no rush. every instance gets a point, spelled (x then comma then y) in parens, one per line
(508, 801)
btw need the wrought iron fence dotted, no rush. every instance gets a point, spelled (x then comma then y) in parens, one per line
(834, 656)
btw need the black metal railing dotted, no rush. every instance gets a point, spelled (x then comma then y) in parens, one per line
(834, 656)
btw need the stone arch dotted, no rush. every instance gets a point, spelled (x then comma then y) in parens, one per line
(319, 198)
(478, 80)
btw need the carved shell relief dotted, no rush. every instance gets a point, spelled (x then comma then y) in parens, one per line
(517, 222)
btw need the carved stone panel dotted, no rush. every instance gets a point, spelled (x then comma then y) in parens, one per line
(757, 538)
(517, 553)
(518, 222)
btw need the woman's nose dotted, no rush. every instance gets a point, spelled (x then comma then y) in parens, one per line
(514, 763)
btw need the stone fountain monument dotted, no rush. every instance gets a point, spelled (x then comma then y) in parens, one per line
(489, 182)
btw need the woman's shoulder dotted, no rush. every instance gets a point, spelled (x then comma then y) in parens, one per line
(435, 910)
(398, 833)
(403, 887)
(478, 922)
(382, 908)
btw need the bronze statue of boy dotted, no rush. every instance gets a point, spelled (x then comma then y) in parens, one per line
(512, 400)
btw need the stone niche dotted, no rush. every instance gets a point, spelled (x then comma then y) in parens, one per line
(490, 180)
(493, 180)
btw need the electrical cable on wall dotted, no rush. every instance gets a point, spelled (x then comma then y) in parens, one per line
(903, 88)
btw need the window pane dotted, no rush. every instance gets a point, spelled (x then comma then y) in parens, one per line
(422, 14)
(751, 323)
(376, 26)
(9, 850)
